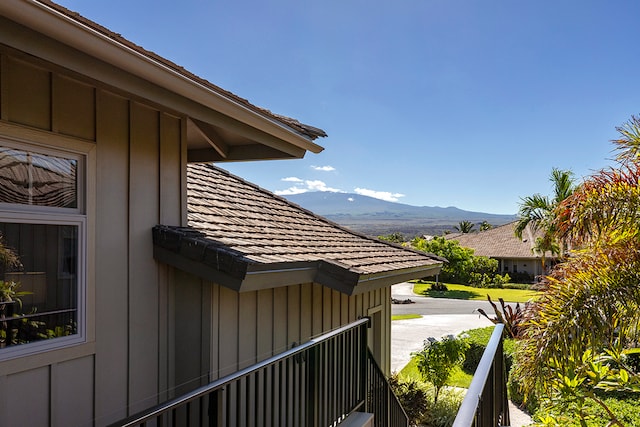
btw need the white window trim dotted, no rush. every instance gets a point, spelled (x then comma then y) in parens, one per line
(81, 335)
(81, 176)
(56, 216)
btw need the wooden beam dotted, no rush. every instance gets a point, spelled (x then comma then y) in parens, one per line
(200, 130)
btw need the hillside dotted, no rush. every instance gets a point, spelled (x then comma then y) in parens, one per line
(375, 217)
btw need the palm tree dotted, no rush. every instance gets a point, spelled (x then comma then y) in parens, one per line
(543, 245)
(539, 212)
(464, 227)
(484, 226)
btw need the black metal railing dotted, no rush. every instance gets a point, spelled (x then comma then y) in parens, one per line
(486, 403)
(381, 401)
(318, 383)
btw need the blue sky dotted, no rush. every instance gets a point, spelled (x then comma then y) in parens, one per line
(463, 103)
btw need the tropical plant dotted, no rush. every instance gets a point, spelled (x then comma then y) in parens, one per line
(464, 227)
(443, 412)
(8, 257)
(9, 292)
(484, 226)
(628, 144)
(512, 318)
(543, 245)
(539, 212)
(413, 397)
(438, 358)
(589, 315)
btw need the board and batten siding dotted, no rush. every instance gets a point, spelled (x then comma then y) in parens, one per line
(241, 329)
(136, 180)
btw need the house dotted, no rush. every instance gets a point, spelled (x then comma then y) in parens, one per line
(515, 256)
(147, 272)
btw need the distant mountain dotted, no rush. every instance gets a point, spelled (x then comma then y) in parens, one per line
(375, 217)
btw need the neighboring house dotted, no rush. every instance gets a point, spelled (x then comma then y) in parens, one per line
(515, 256)
(149, 275)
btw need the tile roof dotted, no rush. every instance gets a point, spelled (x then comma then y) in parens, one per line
(307, 130)
(259, 230)
(499, 242)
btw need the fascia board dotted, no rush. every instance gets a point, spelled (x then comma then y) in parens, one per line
(371, 282)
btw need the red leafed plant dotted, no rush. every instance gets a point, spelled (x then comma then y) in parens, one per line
(512, 318)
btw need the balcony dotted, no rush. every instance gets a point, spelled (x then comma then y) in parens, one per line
(319, 383)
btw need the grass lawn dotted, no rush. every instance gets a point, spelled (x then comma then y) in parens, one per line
(405, 316)
(471, 293)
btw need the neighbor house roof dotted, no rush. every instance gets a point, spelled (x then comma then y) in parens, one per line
(247, 238)
(499, 242)
(208, 130)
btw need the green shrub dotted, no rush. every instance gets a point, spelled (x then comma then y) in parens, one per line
(413, 396)
(483, 280)
(472, 357)
(499, 281)
(417, 399)
(439, 286)
(625, 406)
(523, 286)
(478, 340)
(443, 412)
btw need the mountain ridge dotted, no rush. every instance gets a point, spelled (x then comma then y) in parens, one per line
(374, 217)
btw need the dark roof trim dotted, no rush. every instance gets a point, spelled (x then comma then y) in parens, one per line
(189, 250)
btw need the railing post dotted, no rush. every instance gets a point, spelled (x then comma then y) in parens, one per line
(312, 386)
(364, 387)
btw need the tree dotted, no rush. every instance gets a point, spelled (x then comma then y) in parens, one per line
(484, 226)
(464, 227)
(459, 260)
(539, 212)
(588, 319)
(544, 244)
(438, 358)
(462, 266)
(396, 237)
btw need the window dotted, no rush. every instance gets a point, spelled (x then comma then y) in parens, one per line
(42, 241)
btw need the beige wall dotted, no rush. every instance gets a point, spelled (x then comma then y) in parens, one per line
(237, 330)
(136, 180)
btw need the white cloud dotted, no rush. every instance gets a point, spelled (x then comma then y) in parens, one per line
(323, 168)
(351, 199)
(291, 179)
(306, 186)
(383, 195)
(321, 186)
(291, 190)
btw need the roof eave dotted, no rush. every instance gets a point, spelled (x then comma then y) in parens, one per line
(376, 281)
(234, 271)
(51, 22)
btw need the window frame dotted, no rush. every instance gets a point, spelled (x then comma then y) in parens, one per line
(81, 178)
(34, 214)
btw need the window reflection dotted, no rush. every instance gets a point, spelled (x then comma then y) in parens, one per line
(38, 282)
(31, 178)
